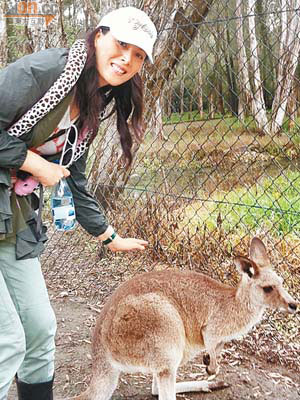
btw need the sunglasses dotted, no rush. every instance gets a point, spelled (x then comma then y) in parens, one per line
(68, 151)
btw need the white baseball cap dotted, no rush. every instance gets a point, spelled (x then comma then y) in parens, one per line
(133, 26)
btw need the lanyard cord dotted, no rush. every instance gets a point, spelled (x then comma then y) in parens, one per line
(39, 216)
(41, 192)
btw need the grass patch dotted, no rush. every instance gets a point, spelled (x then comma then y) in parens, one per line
(272, 203)
(175, 118)
(194, 116)
(227, 134)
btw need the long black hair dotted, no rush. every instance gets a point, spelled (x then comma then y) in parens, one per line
(91, 100)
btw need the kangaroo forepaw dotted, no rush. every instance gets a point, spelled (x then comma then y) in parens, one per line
(206, 359)
(212, 371)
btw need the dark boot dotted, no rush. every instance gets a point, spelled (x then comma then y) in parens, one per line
(34, 391)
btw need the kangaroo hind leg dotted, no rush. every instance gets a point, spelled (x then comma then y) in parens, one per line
(166, 381)
(154, 385)
(104, 382)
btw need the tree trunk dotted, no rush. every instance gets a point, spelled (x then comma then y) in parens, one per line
(191, 98)
(43, 33)
(292, 106)
(268, 48)
(178, 25)
(259, 111)
(167, 100)
(36, 33)
(217, 80)
(231, 77)
(245, 93)
(3, 35)
(211, 105)
(63, 36)
(108, 174)
(157, 126)
(91, 14)
(182, 87)
(200, 84)
(297, 95)
(287, 61)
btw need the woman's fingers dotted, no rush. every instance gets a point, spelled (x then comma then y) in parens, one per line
(66, 172)
(127, 244)
(47, 173)
(51, 174)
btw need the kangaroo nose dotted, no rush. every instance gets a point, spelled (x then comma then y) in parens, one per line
(293, 307)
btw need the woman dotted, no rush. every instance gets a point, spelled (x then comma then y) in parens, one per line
(45, 98)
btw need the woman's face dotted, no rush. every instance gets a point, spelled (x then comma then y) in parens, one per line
(117, 62)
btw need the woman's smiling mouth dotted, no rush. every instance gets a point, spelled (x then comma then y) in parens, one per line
(118, 69)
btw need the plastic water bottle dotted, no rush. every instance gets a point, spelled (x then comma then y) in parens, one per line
(62, 207)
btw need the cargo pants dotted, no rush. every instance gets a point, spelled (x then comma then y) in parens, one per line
(27, 322)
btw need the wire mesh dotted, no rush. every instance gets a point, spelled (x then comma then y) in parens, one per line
(220, 158)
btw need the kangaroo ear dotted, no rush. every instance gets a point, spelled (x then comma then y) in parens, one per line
(258, 253)
(246, 266)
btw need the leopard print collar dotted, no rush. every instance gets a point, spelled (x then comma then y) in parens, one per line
(55, 94)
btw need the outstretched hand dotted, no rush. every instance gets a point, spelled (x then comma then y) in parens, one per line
(127, 244)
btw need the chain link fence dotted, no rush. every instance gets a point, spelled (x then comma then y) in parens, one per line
(219, 162)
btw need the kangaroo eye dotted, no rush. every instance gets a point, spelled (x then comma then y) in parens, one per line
(268, 289)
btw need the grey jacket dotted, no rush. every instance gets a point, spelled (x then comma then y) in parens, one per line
(22, 84)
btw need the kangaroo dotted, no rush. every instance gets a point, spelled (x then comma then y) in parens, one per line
(159, 320)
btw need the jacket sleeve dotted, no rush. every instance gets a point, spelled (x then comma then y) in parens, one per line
(22, 84)
(88, 211)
